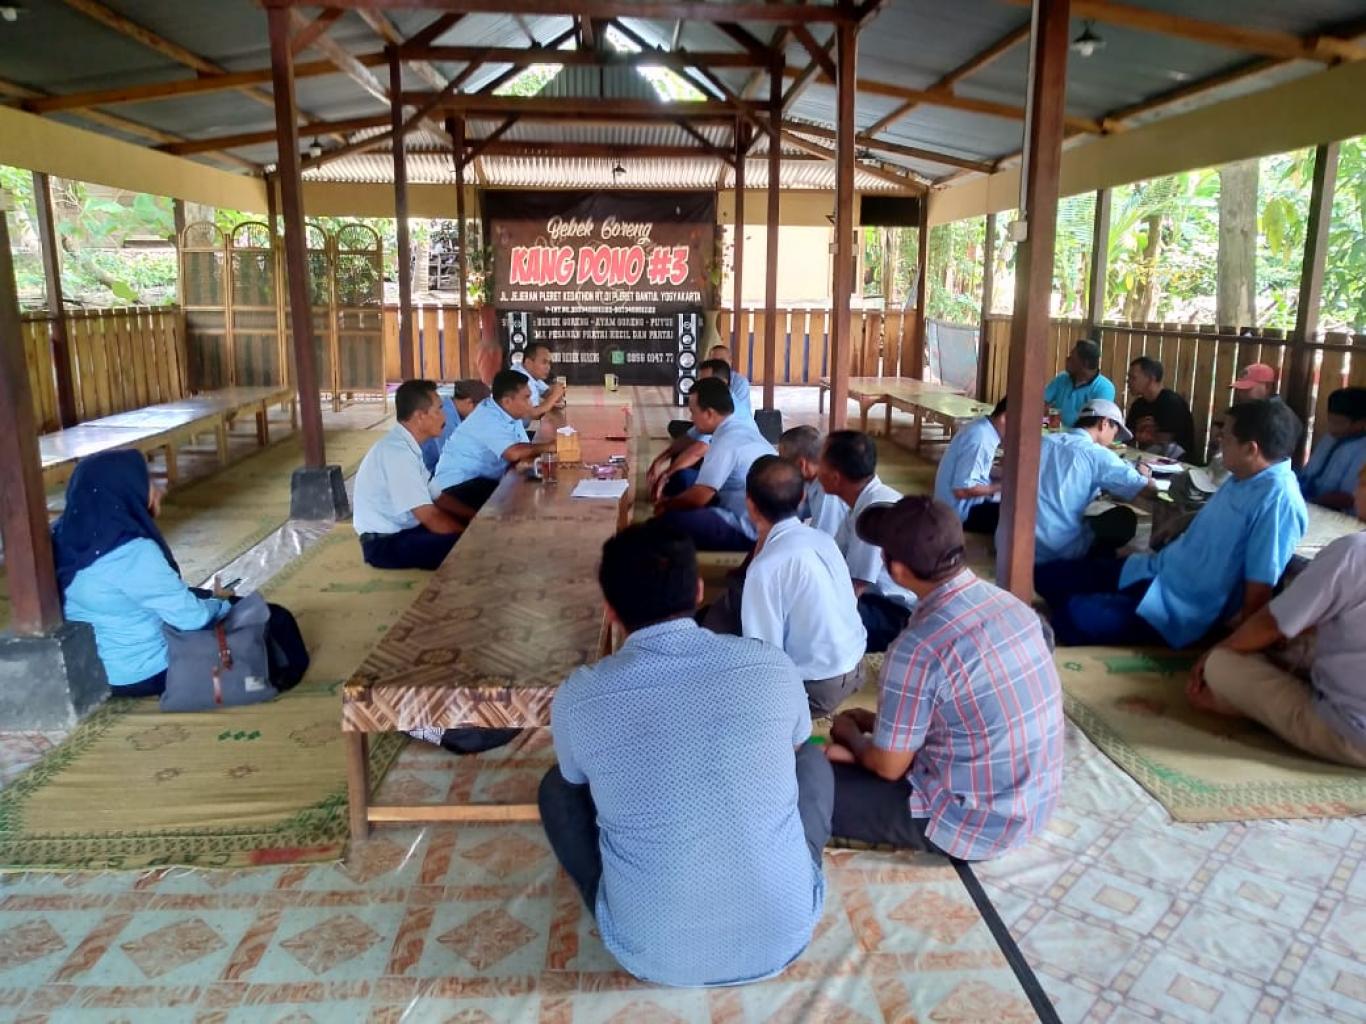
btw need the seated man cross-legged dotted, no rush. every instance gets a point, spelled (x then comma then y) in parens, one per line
(712, 510)
(402, 518)
(797, 593)
(964, 479)
(465, 398)
(1329, 478)
(801, 446)
(1224, 565)
(965, 753)
(687, 806)
(848, 472)
(490, 442)
(535, 367)
(1075, 467)
(675, 469)
(1324, 714)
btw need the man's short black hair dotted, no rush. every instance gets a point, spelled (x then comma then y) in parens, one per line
(1271, 425)
(717, 368)
(508, 382)
(648, 574)
(852, 453)
(471, 390)
(1000, 408)
(1348, 402)
(803, 442)
(413, 397)
(1149, 366)
(776, 487)
(1088, 351)
(714, 394)
(533, 347)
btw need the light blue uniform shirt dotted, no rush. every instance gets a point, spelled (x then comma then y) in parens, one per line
(799, 597)
(821, 511)
(1246, 534)
(538, 387)
(706, 875)
(476, 449)
(431, 448)
(391, 482)
(1073, 470)
(1068, 399)
(126, 596)
(865, 560)
(735, 446)
(744, 408)
(1335, 466)
(967, 463)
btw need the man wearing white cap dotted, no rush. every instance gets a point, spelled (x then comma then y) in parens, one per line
(1075, 466)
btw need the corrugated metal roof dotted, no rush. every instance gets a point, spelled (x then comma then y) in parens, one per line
(591, 172)
(911, 43)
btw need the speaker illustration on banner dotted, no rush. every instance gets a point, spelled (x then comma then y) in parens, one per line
(689, 355)
(517, 324)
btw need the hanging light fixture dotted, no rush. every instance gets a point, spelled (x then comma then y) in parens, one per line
(315, 150)
(617, 171)
(11, 12)
(1088, 43)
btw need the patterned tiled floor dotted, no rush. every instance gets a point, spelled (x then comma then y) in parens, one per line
(1123, 915)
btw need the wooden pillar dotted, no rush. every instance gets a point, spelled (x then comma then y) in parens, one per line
(52, 277)
(846, 52)
(738, 262)
(1100, 264)
(34, 601)
(922, 281)
(407, 363)
(1033, 288)
(988, 297)
(1299, 383)
(455, 128)
(296, 242)
(773, 224)
(272, 209)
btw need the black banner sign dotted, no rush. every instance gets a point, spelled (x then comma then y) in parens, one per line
(614, 281)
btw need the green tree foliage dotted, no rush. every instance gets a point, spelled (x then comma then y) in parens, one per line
(1163, 254)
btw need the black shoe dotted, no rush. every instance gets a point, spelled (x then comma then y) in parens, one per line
(469, 739)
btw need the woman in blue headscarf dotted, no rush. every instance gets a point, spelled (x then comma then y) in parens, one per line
(116, 572)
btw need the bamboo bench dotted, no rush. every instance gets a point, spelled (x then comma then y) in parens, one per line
(165, 427)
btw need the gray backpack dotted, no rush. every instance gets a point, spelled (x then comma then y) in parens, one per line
(222, 665)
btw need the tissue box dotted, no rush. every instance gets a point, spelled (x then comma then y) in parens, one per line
(567, 449)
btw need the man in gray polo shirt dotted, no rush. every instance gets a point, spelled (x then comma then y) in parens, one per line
(1324, 715)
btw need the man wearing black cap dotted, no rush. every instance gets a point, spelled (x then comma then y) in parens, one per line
(965, 753)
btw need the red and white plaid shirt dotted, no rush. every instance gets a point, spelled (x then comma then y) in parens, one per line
(971, 687)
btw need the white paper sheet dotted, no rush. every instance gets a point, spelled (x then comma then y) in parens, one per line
(606, 489)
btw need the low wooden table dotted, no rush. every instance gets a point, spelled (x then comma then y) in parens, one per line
(512, 611)
(164, 428)
(949, 409)
(894, 392)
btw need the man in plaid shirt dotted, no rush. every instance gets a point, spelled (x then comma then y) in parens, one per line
(964, 755)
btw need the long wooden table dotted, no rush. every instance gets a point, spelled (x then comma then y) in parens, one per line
(511, 612)
(922, 399)
(164, 428)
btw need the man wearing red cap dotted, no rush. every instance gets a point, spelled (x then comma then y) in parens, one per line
(965, 752)
(1257, 381)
